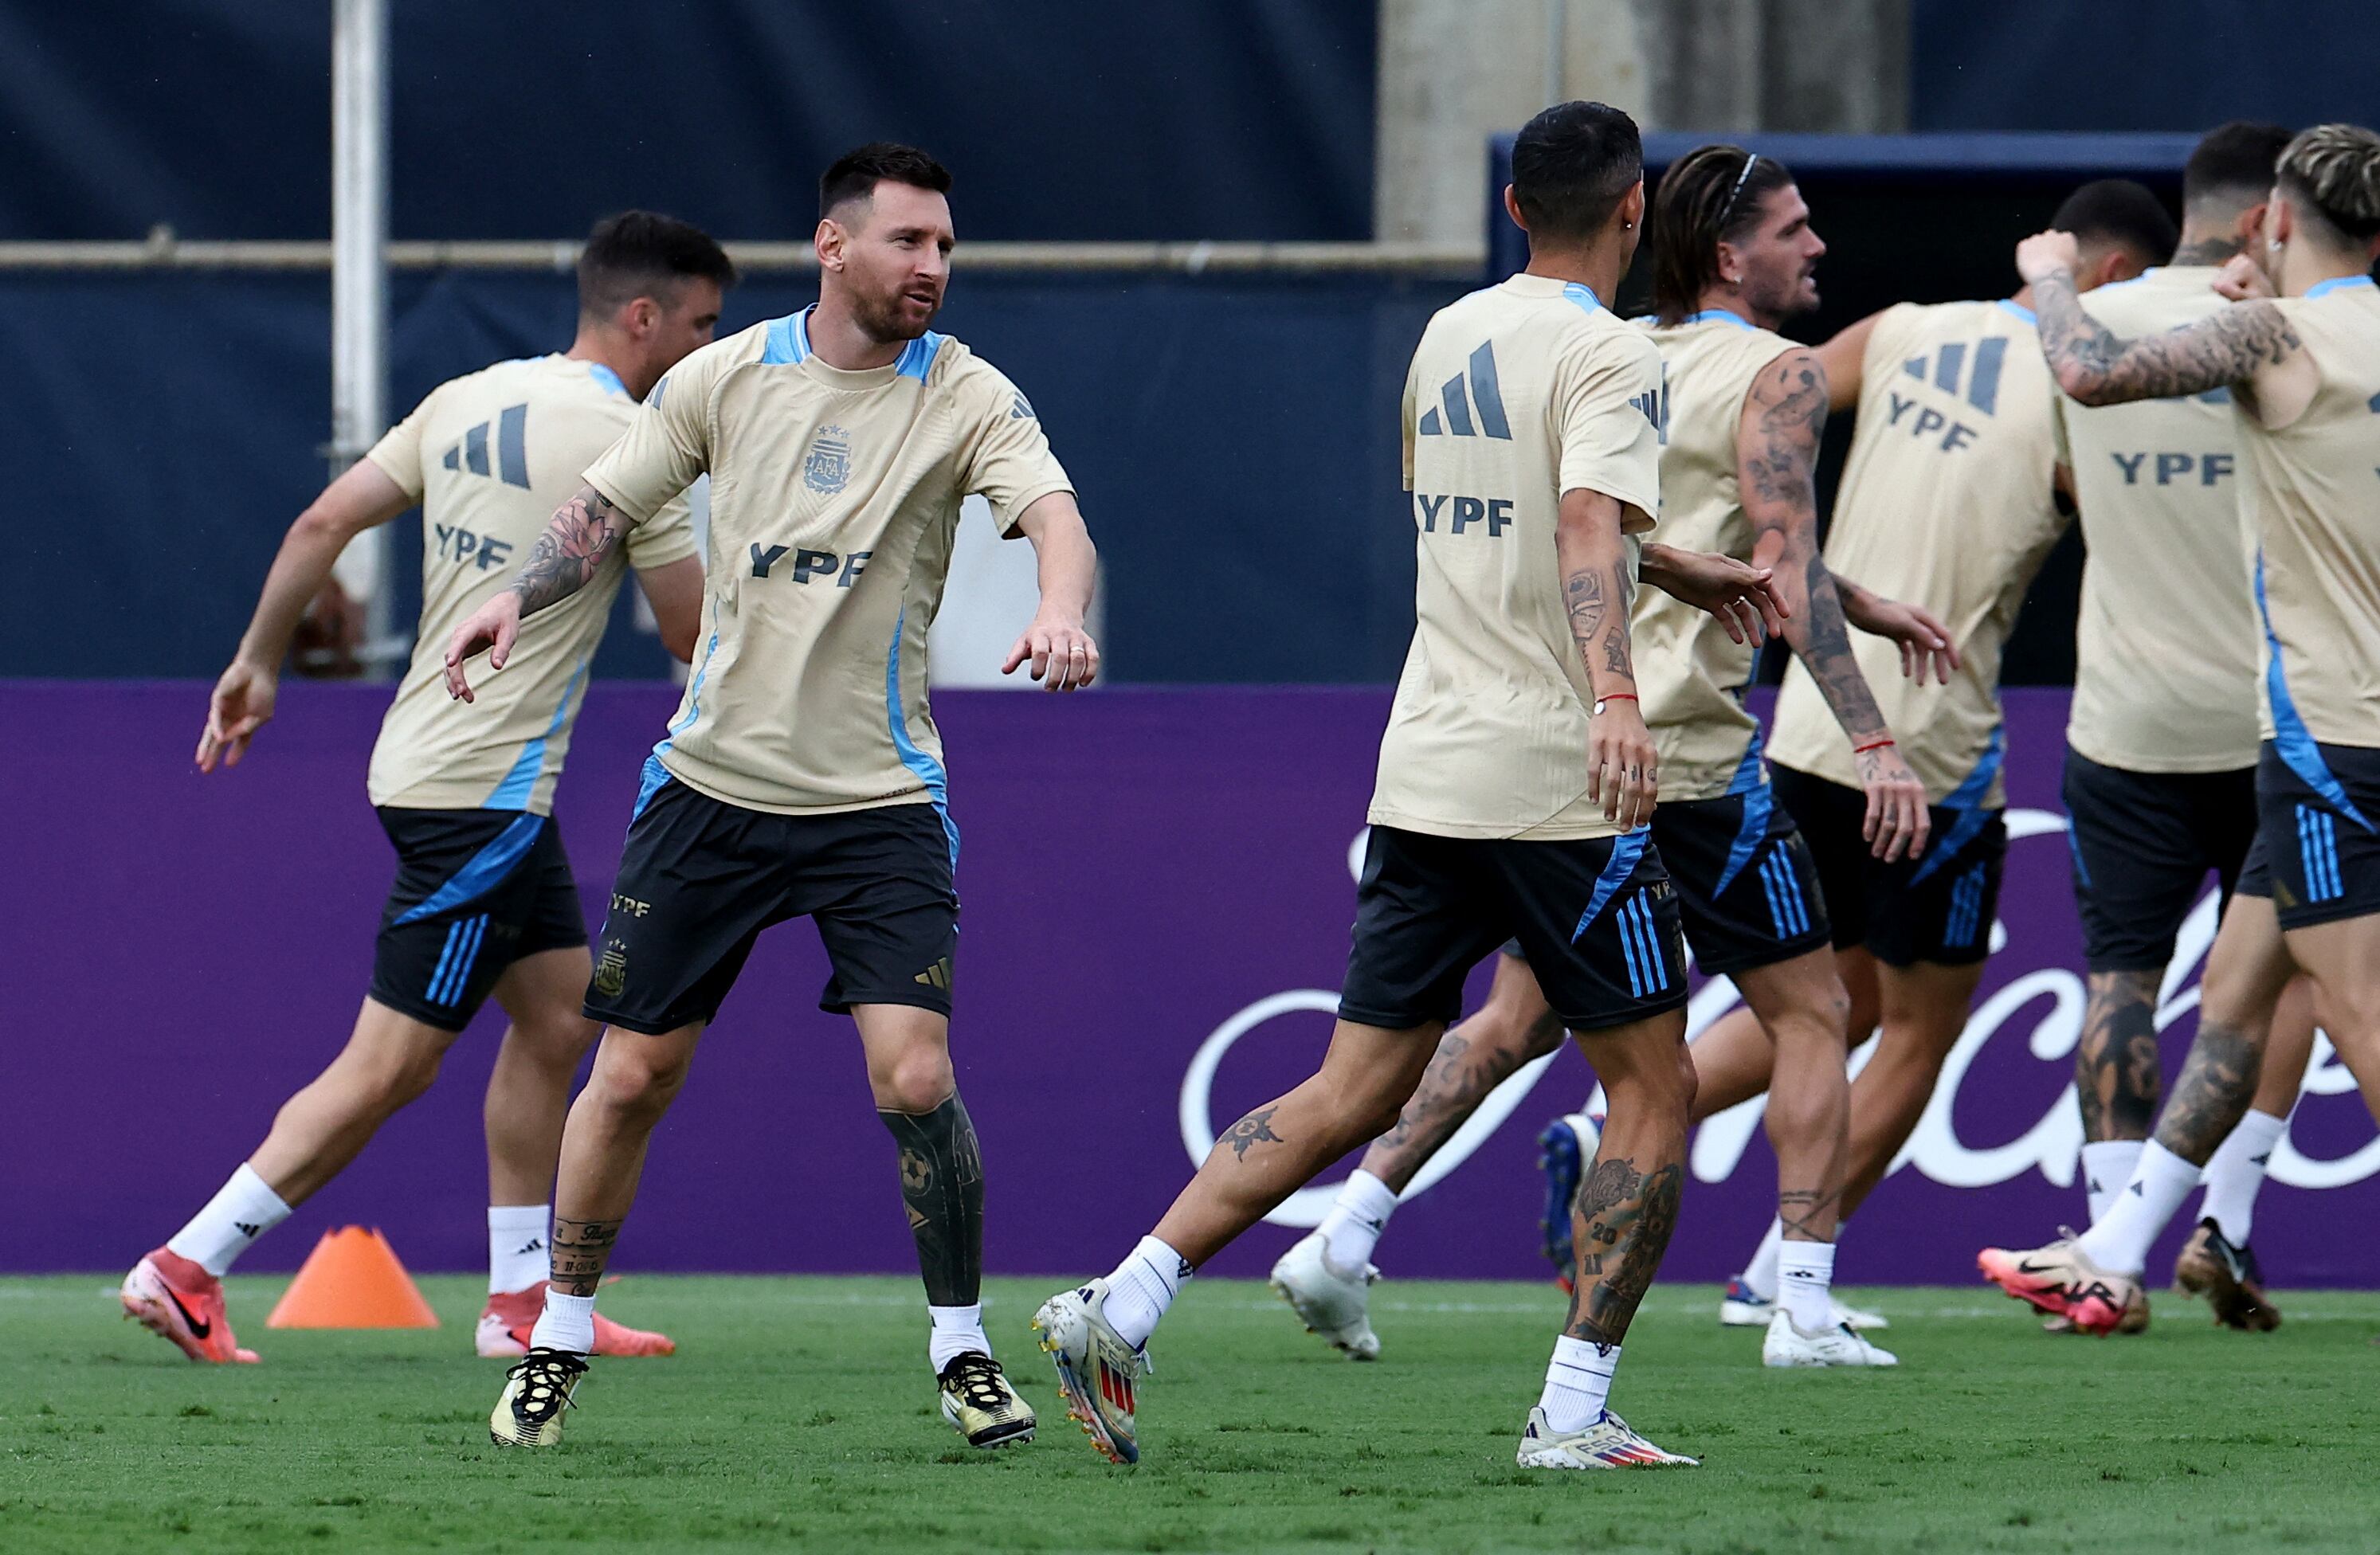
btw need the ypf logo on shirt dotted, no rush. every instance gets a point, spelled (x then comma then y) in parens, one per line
(828, 464)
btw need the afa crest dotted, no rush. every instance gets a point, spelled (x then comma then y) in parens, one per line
(828, 464)
(612, 971)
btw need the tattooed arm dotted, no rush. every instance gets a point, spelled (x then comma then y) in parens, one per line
(2096, 368)
(1776, 452)
(585, 530)
(1622, 770)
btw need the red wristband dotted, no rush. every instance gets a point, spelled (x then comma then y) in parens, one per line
(1618, 696)
(1873, 745)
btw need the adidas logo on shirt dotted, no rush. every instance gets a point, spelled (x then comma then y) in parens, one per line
(1452, 416)
(512, 448)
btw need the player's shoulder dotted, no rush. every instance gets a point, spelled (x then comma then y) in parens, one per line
(949, 367)
(699, 371)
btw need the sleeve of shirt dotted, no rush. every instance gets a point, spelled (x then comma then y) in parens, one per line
(398, 453)
(667, 444)
(666, 536)
(1607, 396)
(1008, 462)
(1406, 418)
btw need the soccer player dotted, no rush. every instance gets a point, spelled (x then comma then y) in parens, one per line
(1741, 412)
(1515, 778)
(484, 903)
(2300, 350)
(2160, 780)
(803, 775)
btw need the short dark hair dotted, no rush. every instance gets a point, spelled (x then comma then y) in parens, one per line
(855, 174)
(1571, 166)
(638, 253)
(2234, 159)
(1709, 196)
(2121, 212)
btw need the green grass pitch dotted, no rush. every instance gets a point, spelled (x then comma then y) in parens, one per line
(797, 1415)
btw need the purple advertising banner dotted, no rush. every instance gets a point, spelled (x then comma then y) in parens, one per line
(1157, 893)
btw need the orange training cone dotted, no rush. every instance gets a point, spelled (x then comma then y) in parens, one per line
(352, 1280)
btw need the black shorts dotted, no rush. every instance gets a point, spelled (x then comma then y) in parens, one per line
(1747, 888)
(1597, 917)
(2318, 853)
(2143, 843)
(699, 879)
(1938, 908)
(476, 891)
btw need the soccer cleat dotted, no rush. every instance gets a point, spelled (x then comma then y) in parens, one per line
(1564, 1148)
(978, 1399)
(537, 1389)
(178, 1301)
(2061, 1281)
(1740, 1307)
(2228, 1277)
(1327, 1299)
(506, 1322)
(2134, 1320)
(1787, 1346)
(1607, 1444)
(1097, 1370)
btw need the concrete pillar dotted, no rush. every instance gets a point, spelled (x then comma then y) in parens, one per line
(1838, 66)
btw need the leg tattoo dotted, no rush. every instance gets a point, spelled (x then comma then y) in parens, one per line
(1254, 1129)
(581, 1251)
(941, 1183)
(1620, 1224)
(2116, 1064)
(2218, 1081)
(1458, 1079)
(1808, 1213)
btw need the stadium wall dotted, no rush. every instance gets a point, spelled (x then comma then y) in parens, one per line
(1157, 893)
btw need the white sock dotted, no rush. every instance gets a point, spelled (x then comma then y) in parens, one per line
(957, 1330)
(1804, 1272)
(241, 1210)
(567, 1323)
(518, 1254)
(2106, 1167)
(1353, 1228)
(2119, 1242)
(1759, 1276)
(2235, 1170)
(1142, 1287)
(1577, 1382)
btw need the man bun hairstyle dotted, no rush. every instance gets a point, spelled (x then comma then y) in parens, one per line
(2334, 171)
(1572, 165)
(1712, 195)
(2120, 211)
(2234, 160)
(638, 253)
(854, 174)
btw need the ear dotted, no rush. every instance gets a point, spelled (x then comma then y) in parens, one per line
(2250, 223)
(829, 241)
(1631, 205)
(1513, 208)
(2119, 263)
(639, 317)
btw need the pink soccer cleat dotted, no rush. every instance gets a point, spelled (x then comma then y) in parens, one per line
(507, 1319)
(2062, 1282)
(176, 1300)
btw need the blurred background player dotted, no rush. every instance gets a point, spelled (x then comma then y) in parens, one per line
(484, 902)
(2301, 353)
(1742, 411)
(2160, 781)
(803, 775)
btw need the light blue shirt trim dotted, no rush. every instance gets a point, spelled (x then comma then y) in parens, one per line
(1583, 295)
(2337, 282)
(520, 785)
(1749, 784)
(2020, 309)
(1967, 801)
(1709, 315)
(486, 870)
(607, 378)
(917, 357)
(788, 339)
(930, 771)
(2292, 741)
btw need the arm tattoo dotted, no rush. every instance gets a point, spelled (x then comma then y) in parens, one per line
(2116, 1064)
(1775, 485)
(1598, 615)
(2218, 1080)
(1615, 643)
(1620, 1224)
(582, 1249)
(2097, 367)
(1254, 1129)
(567, 555)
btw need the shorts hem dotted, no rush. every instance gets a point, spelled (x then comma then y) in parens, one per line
(1902, 961)
(643, 1027)
(1771, 955)
(2314, 915)
(1613, 1020)
(917, 998)
(1387, 1021)
(418, 1009)
(2142, 963)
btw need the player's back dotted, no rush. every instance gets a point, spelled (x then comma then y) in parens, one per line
(492, 455)
(1691, 673)
(2312, 490)
(1949, 502)
(1517, 393)
(2165, 642)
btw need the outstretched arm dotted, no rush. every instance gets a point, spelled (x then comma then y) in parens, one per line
(1743, 597)
(1622, 769)
(1777, 452)
(1063, 655)
(2095, 367)
(562, 561)
(1844, 358)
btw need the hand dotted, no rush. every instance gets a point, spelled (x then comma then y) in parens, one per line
(1737, 592)
(1062, 655)
(241, 705)
(493, 625)
(1898, 819)
(2045, 253)
(2243, 280)
(1623, 767)
(328, 635)
(1924, 640)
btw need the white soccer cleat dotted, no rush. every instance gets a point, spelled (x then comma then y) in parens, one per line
(1741, 1307)
(1329, 1298)
(1097, 1370)
(1787, 1346)
(1607, 1444)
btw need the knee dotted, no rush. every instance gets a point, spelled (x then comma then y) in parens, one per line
(916, 1081)
(635, 1082)
(556, 1041)
(399, 1078)
(1544, 1034)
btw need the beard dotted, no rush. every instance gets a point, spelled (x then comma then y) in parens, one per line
(888, 319)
